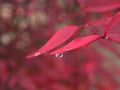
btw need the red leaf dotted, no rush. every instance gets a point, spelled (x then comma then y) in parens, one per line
(114, 37)
(101, 22)
(97, 25)
(101, 5)
(113, 23)
(58, 38)
(77, 43)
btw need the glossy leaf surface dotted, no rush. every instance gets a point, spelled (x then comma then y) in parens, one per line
(58, 38)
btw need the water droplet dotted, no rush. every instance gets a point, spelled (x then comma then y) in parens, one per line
(59, 55)
(106, 37)
(36, 54)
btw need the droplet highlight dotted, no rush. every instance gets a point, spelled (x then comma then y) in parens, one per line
(36, 54)
(106, 37)
(59, 55)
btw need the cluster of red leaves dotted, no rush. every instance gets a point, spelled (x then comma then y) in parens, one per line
(66, 32)
(89, 27)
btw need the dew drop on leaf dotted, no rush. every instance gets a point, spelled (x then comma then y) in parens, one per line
(106, 37)
(59, 55)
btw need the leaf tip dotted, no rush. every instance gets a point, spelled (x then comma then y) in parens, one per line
(33, 55)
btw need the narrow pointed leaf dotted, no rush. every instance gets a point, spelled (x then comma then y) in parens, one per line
(113, 23)
(58, 38)
(101, 22)
(97, 26)
(101, 5)
(77, 43)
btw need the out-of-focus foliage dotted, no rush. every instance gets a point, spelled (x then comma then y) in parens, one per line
(26, 25)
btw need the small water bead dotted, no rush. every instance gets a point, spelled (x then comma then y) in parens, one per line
(59, 55)
(106, 37)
